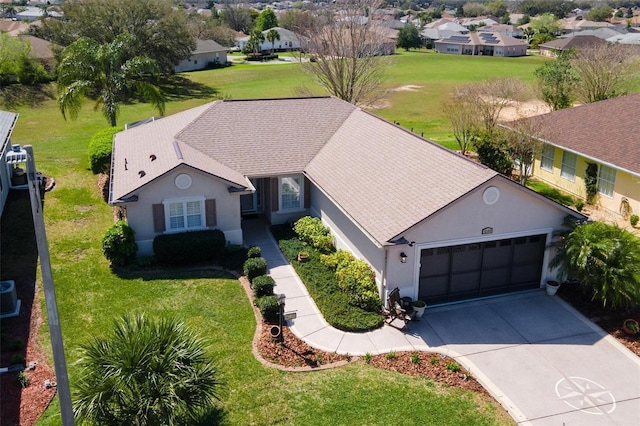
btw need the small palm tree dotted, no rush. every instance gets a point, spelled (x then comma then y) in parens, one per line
(146, 373)
(107, 72)
(273, 35)
(605, 258)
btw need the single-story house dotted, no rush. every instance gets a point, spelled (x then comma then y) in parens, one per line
(41, 50)
(510, 30)
(604, 133)
(435, 224)
(7, 122)
(489, 44)
(577, 42)
(629, 38)
(207, 52)
(288, 41)
(577, 23)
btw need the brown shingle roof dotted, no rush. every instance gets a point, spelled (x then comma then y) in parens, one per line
(577, 42)
(266, 137)
(388, 179)
(384, 177)
(606, 131)
(134, 148)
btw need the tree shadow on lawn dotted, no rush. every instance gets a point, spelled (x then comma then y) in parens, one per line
(15, 95)
(157, 272)
(177, 88)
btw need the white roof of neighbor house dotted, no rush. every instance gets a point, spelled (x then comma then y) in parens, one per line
(285, 35)
(630, 38)
(383, 177)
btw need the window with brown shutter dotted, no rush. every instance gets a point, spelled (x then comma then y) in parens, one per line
(210, 212)
(307, 193)
(158, 218)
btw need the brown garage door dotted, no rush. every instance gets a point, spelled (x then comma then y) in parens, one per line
(469, 271)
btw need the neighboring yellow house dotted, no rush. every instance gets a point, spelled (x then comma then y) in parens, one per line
(605, 133)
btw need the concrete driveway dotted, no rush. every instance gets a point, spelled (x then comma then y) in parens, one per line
(545, 362)
(541, 359)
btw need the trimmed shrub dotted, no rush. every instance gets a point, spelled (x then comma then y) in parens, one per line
(23, 380)
(262, 286)
(254, 251)
(310, 230)
(634, 219)
(233, 258)
(254, 267)
(337, 260)
(269, 309)
(119, 244)
(100, 147)
(189, 247)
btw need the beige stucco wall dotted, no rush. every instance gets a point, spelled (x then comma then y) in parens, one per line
(626, 185)
(140, 217)
(517, 212)
(347, 235)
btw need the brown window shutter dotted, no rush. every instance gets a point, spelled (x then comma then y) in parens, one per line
(210, 212)
(275, 196)
(307, 193)
(158, 218)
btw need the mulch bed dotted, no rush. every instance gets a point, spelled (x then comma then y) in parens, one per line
(23, 406)
(610, 321)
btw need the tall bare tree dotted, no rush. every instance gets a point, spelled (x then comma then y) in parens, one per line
(489, 98)
(347, 48)
(605, 72)
(460, 110)
(523, 145)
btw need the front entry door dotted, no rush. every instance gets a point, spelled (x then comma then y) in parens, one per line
(252, 203)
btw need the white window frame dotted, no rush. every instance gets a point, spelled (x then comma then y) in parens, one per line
(568, 171)
(547, 157)
(607, 182)
(300, 205)
(167, 217)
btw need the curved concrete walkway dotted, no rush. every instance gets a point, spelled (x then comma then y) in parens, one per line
(541, 359)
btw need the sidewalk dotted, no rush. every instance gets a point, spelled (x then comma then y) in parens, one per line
(541, 359)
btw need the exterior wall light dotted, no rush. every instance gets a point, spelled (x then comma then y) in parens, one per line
(403, 257)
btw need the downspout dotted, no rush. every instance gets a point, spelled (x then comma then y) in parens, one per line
(384, 274)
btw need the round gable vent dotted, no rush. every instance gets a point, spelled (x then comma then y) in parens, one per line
(183, 181)
(491, 195)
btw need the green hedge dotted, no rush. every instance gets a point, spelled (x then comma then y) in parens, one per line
(310, 230)
(269, 309)
(119, 244)
(254, 267)
(100, 147)
(254, 251)
(322, 284)
(262, 286)
(190, 247)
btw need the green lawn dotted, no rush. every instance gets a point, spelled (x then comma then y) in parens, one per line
(90, 295)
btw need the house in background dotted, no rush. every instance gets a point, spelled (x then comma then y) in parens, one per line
(206, 54)
(577, 42)
(510, 30)
(289, 41)
(488, 44)
(435, 224)
(605, 133)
